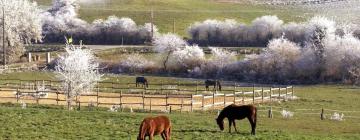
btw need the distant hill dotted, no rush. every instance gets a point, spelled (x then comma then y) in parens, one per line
(183, 12)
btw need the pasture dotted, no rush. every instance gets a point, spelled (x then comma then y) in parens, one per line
(184, 12)
(54, 122)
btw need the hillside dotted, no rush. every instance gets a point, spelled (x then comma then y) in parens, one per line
(184, 12)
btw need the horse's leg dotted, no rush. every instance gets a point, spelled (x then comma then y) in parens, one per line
(168, 133)
(253, 125)
(151, 136)
(235, 126)
(230, 122)
(163, 135)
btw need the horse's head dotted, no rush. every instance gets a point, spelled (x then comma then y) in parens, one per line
(139, 138)
(220, 123)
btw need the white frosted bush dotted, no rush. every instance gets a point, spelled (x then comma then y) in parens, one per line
(136, 63)
(62, 19)
(337, 116)
(114, 108)
(219, 59)
(286, 114)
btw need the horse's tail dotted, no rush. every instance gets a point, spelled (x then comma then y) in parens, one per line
(142, 131)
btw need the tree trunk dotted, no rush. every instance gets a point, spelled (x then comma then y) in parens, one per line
(68, 97)
(166, 60)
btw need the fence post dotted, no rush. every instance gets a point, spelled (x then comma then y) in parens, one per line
(121, 107)
(234, 93)
(270, 113)
(262, 94)
(322, 115)
(270, 94)
(243, 96)
(79, 105)
(253, 93)
(286, 94)
(150, 105)
(97, 96)
(224, 99)
(112, 87)
(203, 102)
(17, 95)
(57, 98)
(213, 101)
(182, 103)
(292, 92)
(48, 57)
(143, 97)
(192, 102)
(279, 93)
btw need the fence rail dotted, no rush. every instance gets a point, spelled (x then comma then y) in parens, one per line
(159, 96)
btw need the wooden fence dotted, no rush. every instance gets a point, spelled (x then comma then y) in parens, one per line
(159, 96)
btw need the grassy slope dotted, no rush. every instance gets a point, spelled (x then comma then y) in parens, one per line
(52, 123)
(185, 12)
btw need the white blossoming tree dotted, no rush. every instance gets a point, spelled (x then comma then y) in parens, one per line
(78, 70)
(22, 25)
(167, 44)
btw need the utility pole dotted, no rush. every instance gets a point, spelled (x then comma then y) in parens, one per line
(4, 58)
(174, 26)
(152, 19)
(152, 22)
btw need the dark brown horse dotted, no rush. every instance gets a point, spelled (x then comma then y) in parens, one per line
(215, 83)
(142, 80)
(154, 126)
(234, 112)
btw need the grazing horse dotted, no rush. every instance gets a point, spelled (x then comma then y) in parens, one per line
(215, 83)
(141, 80)
(154, 126)
(234, 112)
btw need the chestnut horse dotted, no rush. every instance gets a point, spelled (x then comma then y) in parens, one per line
(234, 112)
(215, 83)
(154, 126)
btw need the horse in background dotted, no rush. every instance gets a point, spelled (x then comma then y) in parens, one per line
(142, 80)
(234, 112)
(215, 83)
(154, 126)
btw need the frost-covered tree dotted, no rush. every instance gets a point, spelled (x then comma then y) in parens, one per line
(167, 44)
(78, 70)
(22, 26)
(187, 57)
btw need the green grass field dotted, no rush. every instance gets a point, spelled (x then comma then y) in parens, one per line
(184, 12)
(54, 122)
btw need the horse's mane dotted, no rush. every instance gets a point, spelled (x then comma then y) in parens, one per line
(222, 112)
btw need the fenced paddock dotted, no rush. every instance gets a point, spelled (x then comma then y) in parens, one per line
(159, 96)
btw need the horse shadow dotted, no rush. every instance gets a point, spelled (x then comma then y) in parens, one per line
(243, 133)
(196, 130)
